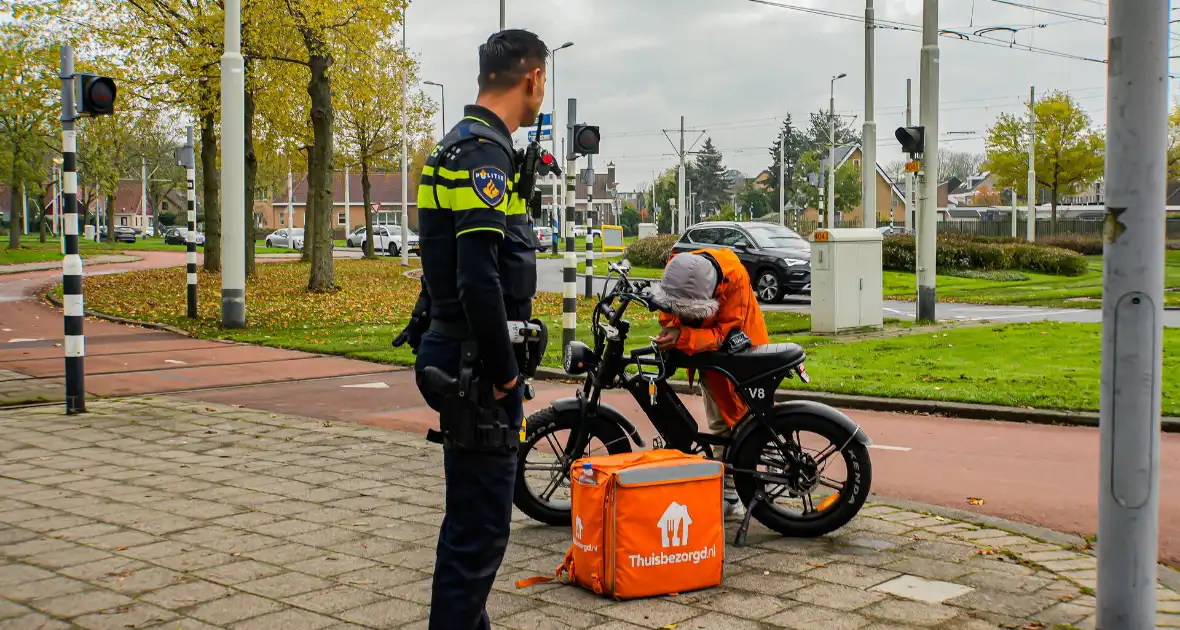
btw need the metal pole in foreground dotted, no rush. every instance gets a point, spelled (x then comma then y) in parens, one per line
(71, 281)
(868, 161)
(589, 225)
(190, 167)
(681, 223)
(233, 172)
(1032, 176)
(928, 118)
(569, 273)
(1132, 311)
(405, 232)
(911, 210)
(501, 15)
(782, 180)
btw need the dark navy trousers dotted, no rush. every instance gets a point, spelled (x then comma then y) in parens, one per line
(475, 527)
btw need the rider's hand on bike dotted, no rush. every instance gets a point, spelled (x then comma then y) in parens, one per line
(667, 338)
(510, 385)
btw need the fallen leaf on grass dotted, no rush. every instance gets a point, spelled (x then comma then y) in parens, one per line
(671, 626)
(120, 549)
(817, 564)
(985, 552)
(1034, 625)
(975, 500)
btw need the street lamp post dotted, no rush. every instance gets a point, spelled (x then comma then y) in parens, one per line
(868, 151)
(442, 104)
(557, 188)
(405, 236)
(832, 151)
(233, 169)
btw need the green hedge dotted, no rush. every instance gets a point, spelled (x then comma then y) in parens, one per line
(961, 253)
(1089, 245)
(653, 251)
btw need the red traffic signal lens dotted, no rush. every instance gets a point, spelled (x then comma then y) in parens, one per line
(547, 159)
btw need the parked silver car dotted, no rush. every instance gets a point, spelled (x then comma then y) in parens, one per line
(283, 238)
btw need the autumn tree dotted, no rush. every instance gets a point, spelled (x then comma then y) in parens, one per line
(1174, 143)
(370, 128)
(847, 186)
(1069, 154)
(312, 36)
(26, 111)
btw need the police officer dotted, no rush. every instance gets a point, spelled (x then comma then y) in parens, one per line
(479, 272)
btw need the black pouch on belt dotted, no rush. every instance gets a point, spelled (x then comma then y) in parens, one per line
(469, 418)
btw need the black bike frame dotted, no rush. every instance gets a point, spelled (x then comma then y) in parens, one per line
(671, 419)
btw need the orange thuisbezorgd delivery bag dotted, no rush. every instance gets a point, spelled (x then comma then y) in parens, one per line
(646, 524)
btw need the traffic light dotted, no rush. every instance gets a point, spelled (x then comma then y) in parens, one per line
(586, 140)
(96, 95)
(912, 139)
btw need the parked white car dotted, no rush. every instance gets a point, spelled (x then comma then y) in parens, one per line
(283, 237)
(386, 238)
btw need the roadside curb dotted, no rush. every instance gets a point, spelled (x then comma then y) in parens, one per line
(969, 411)
(49, 297)
(98, 261)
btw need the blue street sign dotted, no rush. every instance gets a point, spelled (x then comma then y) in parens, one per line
(546, 134)
(546, 120)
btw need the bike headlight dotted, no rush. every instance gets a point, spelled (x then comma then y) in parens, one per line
(578, 358)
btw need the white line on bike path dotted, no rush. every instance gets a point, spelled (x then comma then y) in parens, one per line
(890, 448)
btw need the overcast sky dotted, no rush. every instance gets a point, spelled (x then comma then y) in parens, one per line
(733, 68)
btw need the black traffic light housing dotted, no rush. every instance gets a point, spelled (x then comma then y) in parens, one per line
(96, 95)
(586, 140)
(912, 139)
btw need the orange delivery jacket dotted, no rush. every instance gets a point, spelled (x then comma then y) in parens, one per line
(737, 308)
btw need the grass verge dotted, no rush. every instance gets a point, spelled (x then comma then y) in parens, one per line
(1042, 365)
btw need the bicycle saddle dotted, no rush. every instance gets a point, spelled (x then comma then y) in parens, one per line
(753, 362)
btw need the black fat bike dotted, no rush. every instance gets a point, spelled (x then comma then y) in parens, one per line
(801, 468)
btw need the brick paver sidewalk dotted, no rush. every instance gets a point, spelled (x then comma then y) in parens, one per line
(163, 513)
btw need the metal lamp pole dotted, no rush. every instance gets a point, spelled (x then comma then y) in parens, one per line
(1132, 312)
(442, 108)
(405, 235)
(233, 170)
(868, 161)
(557, 188)
(832, 151)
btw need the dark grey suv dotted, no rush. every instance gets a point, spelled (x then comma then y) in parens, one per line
(777, 259)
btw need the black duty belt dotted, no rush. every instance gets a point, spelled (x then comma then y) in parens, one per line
(454, 330)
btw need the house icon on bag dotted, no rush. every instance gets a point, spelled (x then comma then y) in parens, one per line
(578, 528)
(674, 526)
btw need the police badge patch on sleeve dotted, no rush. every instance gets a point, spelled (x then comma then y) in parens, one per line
(490, 183)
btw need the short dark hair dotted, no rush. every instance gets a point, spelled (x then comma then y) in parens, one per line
(507, 57)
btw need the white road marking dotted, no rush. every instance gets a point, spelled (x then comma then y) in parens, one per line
(377, 385)
(175, 361)
(883, 447)
(23, 339)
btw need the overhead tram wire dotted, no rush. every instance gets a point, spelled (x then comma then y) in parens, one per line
(904, 26)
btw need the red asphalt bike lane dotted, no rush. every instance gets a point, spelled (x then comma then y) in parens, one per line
(1042, 475)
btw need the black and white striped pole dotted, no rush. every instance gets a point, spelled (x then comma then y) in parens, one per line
(190, 166)
(75, 340)
(569, 275)
(589, 225)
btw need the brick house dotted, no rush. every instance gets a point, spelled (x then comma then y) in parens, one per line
(888, 195)
(604, 199)
(348, 199)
